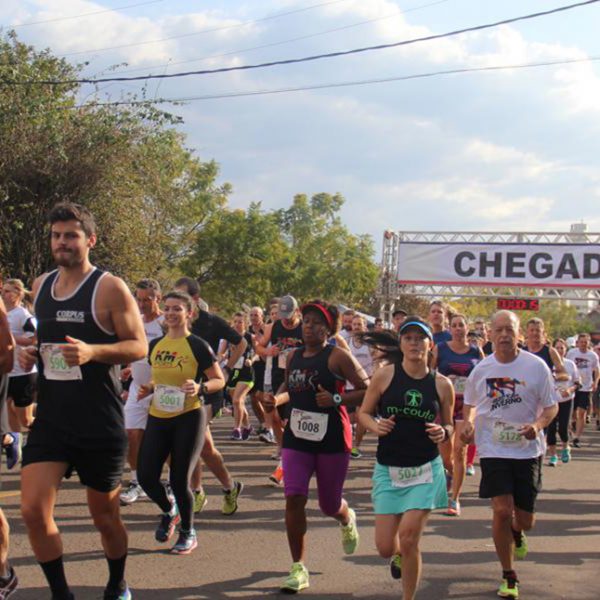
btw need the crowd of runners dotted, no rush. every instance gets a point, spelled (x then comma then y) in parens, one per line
(121, 387)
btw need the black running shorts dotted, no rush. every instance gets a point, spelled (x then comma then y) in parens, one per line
(21, 388)
(520, 478)
(582, 400)
(99, 466)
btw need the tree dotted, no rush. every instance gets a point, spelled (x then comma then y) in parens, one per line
(251, 256)
(149, 194)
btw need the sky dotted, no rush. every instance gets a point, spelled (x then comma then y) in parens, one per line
(507, 150)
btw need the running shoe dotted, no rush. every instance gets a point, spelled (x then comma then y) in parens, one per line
(200, 501)
(520, 545)
(576, 443)
(230, 498)
(350, 537)
(8, 584)
(470, 470)
(13, 450)
(396, 566)
(355, 453)
(118, 594)
(236, 434)
(276, 455)
(553, 461)
(297, 579)
(166, 526)
(246, 431)
(453, 509)
(131, 493)
(266, 436)
(186, 542)
(276, 477)
(566, 455)
(509, 588)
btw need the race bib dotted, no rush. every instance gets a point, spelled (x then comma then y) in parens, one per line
(508, 434)
(168, 398)
(308, 425)
(408, 476)
(459, 383)
(55, 366)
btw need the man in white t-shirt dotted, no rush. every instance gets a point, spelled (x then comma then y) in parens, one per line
(586, 361)
(510, 395)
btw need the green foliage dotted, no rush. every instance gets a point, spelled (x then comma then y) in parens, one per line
(148, 193)
(251, 256)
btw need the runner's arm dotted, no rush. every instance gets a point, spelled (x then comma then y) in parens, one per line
(379, 382)
(116, 301)
(345, 366)
(6, 342)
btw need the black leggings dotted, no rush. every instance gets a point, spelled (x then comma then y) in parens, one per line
(560, 421)
(182, 438)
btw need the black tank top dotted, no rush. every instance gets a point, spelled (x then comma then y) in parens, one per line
(286, 339)
(87, 410)
(304, 377)
(414, 402)
(544, 354)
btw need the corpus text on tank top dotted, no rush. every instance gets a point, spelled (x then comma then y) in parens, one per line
(412, 402)
(87, 408)
(304, 376)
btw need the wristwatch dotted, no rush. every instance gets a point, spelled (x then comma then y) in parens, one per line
(203, 389)
(337, 399)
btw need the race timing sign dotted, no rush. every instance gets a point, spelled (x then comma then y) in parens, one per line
(534, 265)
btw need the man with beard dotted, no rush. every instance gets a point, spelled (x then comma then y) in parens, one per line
(88, 326)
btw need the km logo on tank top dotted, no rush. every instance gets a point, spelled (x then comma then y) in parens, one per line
(170, 360)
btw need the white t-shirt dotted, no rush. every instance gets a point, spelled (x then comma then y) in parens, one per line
(573, 373)
(363, 356)
(586, 363)
(22, 324)
(507, 396)
(346, 335)
(141, 371)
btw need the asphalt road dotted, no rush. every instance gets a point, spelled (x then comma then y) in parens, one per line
(246, 555)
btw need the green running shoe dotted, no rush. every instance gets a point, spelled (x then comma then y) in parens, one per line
(566, 455)
(297, 579)
(509, 588)
(350, 537)
(230, 499)
(200, 501)
(396, 566)
(521, 547)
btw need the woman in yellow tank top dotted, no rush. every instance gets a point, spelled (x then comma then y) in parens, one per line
(177, 421)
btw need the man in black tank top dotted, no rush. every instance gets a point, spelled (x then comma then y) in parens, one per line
(88, 325)
(536, 343)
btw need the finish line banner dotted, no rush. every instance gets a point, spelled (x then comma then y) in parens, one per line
(534, 265)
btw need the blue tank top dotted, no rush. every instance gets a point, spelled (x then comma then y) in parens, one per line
(457, 366)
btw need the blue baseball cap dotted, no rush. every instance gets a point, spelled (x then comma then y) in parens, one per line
(419, 324)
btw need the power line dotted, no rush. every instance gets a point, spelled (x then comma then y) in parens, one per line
(89, 14)
(341, 84)
(210, 29)
(288, 41)
(306, 58)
